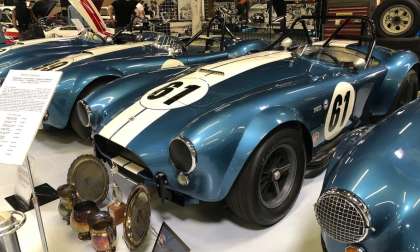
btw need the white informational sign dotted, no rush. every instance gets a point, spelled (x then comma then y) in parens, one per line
(24, 99)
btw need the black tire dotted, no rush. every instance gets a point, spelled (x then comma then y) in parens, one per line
(407, 91)
(247, 198)
(404, 21)
(81, 131)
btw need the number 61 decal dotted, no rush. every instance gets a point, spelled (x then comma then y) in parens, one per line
(340, 110)
(175, 94)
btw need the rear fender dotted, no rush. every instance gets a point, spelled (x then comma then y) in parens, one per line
(384, 96)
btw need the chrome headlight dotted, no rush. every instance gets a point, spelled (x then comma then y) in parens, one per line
(84, 113)
(183, 155)
(342, 216)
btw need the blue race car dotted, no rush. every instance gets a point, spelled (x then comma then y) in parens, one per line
(371, 193)
(246, 130)
(85, 72)
(31, 53)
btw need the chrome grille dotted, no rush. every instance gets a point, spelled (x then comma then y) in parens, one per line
(342, 216)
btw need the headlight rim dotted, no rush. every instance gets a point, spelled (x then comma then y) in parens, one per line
(192, 151)
(83, 106)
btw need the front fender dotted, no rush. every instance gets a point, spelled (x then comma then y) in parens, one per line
(71, 86)
(398, 65)
(235, 132)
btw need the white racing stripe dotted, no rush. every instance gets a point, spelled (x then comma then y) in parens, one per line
(93, 52)
(124, 136)
(121, 119)
(123, 128)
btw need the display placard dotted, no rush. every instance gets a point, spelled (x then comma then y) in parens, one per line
(168, 240)
(24, 99)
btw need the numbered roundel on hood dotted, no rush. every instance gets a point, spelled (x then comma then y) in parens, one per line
(175, 94)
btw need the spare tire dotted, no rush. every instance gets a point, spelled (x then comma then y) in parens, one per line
(397, 18)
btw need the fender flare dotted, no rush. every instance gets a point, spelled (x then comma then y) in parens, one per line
(261, 127)
(80, 85)
(398, 66)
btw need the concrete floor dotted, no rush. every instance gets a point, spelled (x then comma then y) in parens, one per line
(208, 227)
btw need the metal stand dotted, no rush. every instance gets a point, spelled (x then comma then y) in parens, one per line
(37, 209)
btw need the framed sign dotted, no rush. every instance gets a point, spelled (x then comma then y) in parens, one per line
(168, 240)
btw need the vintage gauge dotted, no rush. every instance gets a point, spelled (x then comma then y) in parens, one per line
(90, 178)
(137, 217)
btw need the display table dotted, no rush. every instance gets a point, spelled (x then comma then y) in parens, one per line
(208, 227)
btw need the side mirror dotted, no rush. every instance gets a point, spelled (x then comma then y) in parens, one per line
(359, 64)
(286, 43)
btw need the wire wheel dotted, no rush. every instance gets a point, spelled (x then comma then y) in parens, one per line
(397, 20)
(277, 177)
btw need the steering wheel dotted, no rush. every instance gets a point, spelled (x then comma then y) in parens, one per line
(336, 61)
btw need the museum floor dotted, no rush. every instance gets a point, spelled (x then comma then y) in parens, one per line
(203, 228)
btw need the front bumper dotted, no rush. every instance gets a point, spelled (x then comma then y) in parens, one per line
(131, 173)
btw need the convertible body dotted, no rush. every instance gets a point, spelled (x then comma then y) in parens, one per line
(27, 54)
(375, 175)
(199, 133)
(86, 71)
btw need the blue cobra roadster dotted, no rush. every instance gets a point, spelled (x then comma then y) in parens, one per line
(30, 53)
(370, 200)
(246, 130)
(85, 72)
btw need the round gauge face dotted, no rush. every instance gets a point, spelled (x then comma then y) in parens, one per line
(90, 178)
(137, 220)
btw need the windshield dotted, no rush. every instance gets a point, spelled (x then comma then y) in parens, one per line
(334, 55)
(170, 43)
(91, 36)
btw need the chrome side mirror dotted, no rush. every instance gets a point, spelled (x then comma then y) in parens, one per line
(286, 43)
(359, 64)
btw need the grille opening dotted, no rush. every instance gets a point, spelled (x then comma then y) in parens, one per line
(111, 149)
(342, 216)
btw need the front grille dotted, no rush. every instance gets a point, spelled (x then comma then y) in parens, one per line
(342, 216)
(108, 149)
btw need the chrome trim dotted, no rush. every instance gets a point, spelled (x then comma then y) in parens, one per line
(355, 202)
(193, 153)
(84, 107)
(359, 249)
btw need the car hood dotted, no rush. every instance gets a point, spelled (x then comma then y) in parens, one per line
(31, 53)
(102, 53)
(382, 166)
(155, 122)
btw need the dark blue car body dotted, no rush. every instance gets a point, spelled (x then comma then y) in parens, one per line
(28, 54)
(380, 167)
(115, 61)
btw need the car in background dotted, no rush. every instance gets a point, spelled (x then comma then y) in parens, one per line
(31, 53)
(105, 16)
(397, 18)
(85, 72)
(371, 192)
(248, 130)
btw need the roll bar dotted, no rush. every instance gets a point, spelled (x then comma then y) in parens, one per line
(225, 30)
(367, 28)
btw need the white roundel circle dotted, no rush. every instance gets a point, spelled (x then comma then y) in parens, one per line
(171, 63)
(340, 110)
(175, 94)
